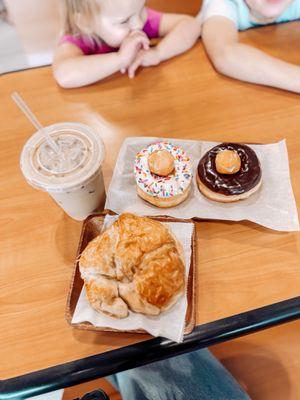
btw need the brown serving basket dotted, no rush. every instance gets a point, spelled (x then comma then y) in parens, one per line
(91, 228)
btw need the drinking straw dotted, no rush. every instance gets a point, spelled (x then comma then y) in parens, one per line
(32, 118)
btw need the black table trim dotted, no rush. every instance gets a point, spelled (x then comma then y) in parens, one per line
(104, 364)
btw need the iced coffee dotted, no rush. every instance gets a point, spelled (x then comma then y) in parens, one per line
(72, 176)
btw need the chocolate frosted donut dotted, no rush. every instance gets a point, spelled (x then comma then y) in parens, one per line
(228, 187)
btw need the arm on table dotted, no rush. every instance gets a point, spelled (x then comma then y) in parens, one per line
(243, 62)
(71, 68)
(179, 33)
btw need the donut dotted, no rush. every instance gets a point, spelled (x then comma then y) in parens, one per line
(229, 172)
(163, 174)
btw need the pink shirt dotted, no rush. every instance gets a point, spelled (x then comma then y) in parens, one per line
(91, 46)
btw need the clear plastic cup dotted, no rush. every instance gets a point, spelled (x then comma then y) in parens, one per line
(73, 177)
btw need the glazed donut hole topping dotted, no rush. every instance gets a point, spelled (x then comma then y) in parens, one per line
(161, 163)
(228, 162)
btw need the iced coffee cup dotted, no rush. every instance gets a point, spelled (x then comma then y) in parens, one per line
(73, 176)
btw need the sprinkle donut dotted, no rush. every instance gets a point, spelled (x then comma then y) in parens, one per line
(163, 174)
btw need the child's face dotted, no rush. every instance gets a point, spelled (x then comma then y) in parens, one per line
(118, 18)
(267, 9)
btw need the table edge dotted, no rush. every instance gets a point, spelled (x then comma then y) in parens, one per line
(142, 353)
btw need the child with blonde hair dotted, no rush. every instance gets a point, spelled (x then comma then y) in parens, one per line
(102, 37)
(222, 19)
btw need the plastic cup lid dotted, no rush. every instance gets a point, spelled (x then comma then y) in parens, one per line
(81, 154)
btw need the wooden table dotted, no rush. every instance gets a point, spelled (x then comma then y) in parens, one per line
(241, 266)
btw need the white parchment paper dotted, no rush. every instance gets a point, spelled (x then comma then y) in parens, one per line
(169, 324)
(273, 206)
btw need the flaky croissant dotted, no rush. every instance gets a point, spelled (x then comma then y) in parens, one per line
(135, 264)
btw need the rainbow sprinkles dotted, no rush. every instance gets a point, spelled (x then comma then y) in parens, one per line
(163, 186)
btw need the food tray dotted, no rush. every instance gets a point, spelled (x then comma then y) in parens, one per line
(91, 228)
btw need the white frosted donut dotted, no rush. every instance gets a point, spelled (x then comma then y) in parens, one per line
(163, 187)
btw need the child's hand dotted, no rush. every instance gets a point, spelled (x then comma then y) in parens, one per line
(130, 47)
(144, 58)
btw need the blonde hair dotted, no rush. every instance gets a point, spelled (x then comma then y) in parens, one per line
(70, 11)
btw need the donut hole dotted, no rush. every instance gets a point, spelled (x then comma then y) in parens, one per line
(161, 163)
(228, 162)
